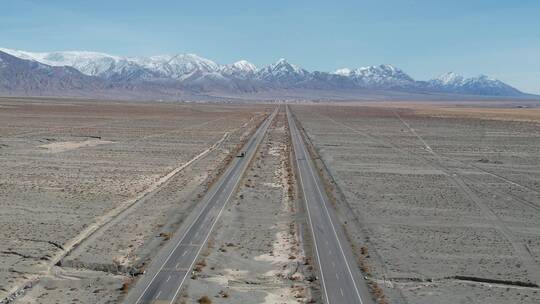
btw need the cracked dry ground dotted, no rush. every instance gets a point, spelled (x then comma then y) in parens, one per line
(254, 255)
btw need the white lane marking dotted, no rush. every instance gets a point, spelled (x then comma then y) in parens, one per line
(294, 130)
(177, 266)
(159, 293)
(183, 254)
(341, 290)
(337, 276)
(175, 247)
(331, 223)
(335, 232)
(267, 123)
(168, 278)
(184, 236)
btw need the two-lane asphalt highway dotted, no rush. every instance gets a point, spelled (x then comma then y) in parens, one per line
(166, 274)
(340, 278)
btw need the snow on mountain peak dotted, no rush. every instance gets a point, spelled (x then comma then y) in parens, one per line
(455, 80)
(449, 78)
(241, 66)
(240, 69)
(282, 72)
(191, 68)
(89, 63)
(283, 66)
(386, 69)
(343, 72)
(186, 63)
(245, 66)
(384, 75)
(193, 58)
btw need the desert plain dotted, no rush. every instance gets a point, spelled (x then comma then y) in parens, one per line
(440, 202)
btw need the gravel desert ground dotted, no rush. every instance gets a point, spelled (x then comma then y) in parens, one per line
(441, 203)
(269, 152)
(97, 187)
(255, 254)
(446, 200)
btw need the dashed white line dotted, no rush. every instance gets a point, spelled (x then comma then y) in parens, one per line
(168, 278)
(157, 296)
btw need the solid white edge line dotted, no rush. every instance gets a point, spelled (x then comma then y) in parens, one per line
(308, 212)
(270, 119)
(178, 244)
(175, 247)
(333, 228)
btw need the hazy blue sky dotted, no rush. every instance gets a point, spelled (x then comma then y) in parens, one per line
(423, 37)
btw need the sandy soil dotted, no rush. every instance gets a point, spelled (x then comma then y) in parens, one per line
(107, 157)
(449, 205)
(528, 115)
(254, 254)
(441, 203)
(528, 111)
(57, 147)
(67, 285)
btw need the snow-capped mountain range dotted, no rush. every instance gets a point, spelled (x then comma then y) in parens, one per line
(192, 72)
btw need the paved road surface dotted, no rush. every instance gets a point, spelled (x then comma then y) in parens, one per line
(169, 269)
(340, 278)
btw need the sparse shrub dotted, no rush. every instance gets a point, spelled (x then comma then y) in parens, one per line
(165, 235)
(204, 300)
(125, 286)
(223, 294)
(363, 250)
(200, 265)
(364, 267)
(378, 292)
